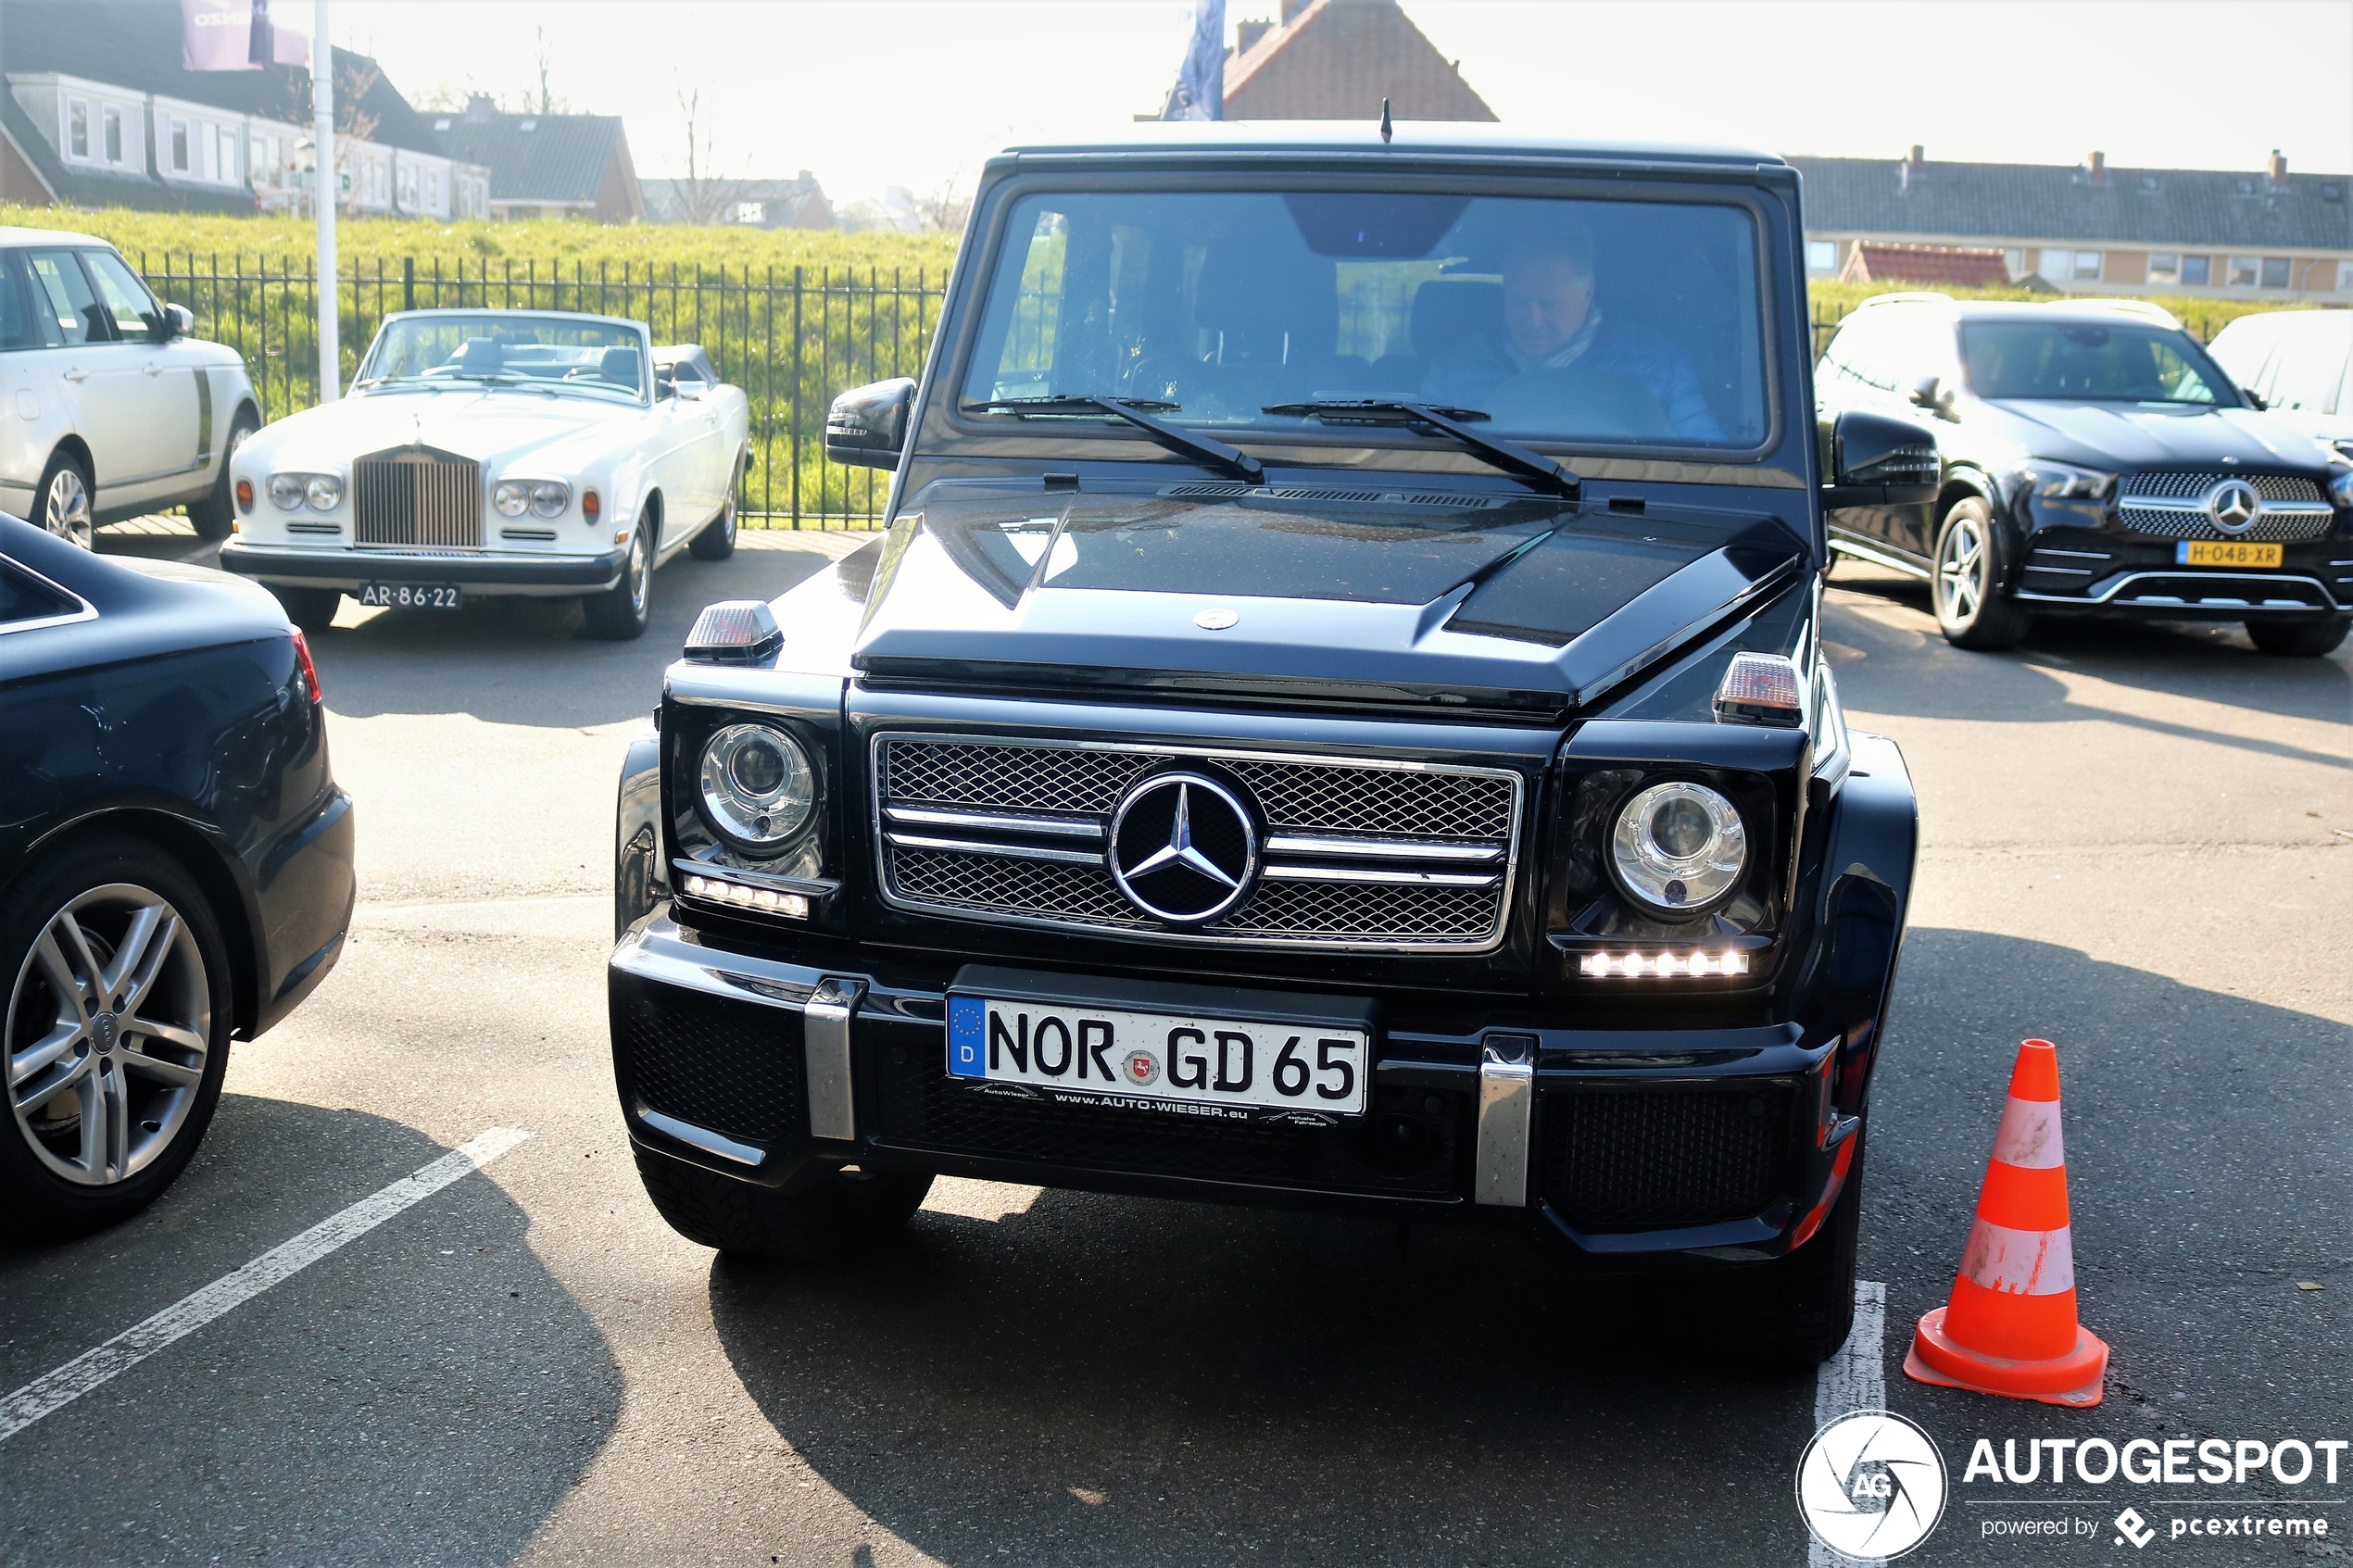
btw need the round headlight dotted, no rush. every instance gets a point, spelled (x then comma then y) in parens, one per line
(549, 500)
(325, 491)
(512, 499)
(757, 785)
(1678, 847)
(285, 491)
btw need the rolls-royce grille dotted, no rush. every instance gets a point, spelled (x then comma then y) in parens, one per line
(2173, 506)
(1352, 854)
(417, 496)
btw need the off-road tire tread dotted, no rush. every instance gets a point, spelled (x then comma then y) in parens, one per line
(1798, 1309)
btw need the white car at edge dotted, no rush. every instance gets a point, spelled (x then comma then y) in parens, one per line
(482, 453)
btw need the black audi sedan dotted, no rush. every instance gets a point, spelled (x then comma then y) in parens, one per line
(1338, 719)
(2096, 462)
(175, 863)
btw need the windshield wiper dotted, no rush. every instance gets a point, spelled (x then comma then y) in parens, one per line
(1137, 411)
(1509, 455)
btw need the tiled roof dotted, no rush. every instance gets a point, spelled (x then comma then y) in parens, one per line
(1336, 60)
(135, 44)
(541, 157)
(1925, 264)
(2186, 208)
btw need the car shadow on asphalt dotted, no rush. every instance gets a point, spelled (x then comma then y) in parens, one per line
(527, 661)
(426, 1394)
(1890, 659)
(1117, 1379)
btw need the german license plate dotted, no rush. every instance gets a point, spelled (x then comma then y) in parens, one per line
(1187, 1063)
(413, 596)
(2225, 552)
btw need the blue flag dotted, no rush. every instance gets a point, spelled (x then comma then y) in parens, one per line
(1201, 81)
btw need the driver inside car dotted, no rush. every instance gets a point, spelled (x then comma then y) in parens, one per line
(1553, 322)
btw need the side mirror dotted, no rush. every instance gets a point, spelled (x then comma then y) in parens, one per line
(693, 391)
(178, 321)
(1931, 392)
(1877, 460)
(867, 425)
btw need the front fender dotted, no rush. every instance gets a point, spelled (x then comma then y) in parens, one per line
(641, 875)
(1862, 898)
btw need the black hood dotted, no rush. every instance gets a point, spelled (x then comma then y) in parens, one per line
(2128, 437)
(1318, 594)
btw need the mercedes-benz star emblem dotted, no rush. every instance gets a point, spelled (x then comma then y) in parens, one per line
(2232, 506)
(1183, 849)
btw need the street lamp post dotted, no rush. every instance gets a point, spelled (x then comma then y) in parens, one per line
(322, 97)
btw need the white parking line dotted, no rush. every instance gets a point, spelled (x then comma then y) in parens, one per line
(1855, 1379)
(55, 1390)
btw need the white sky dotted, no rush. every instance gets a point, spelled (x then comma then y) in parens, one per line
(876, 92)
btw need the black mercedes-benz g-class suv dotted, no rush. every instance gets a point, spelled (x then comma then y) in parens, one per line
(1338, 718)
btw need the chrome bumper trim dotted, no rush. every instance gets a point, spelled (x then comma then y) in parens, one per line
(702, 1138)
(824, 1037)
(1506, 1104)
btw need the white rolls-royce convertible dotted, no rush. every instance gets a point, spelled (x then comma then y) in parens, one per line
(495, 452)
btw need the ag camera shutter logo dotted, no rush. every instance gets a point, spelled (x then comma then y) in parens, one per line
(1871, 1486)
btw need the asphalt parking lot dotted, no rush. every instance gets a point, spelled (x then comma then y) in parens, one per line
(2136, 841)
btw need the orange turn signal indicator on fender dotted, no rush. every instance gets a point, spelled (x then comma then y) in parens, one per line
(590, 507)
(245, 494)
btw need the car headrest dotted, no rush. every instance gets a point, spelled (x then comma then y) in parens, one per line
(619, 365)
(1448, 310)
(481, 354)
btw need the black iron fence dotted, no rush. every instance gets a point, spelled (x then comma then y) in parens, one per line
(791, 338)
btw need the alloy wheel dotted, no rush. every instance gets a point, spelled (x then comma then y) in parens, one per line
(1960, 572)
(109, 1027)
(640, 569)
(65, 511)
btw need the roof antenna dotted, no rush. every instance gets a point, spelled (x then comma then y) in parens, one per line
(1385, 129)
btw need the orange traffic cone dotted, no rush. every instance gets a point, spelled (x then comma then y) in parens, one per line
(2010, 1326)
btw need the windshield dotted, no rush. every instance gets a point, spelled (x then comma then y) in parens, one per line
(564, 354)
(2086, 362)
(1601, 321)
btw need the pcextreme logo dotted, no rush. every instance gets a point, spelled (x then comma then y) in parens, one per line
(1871, 1486)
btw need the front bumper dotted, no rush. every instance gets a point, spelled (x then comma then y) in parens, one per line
(1719, 1143)
(482, 572)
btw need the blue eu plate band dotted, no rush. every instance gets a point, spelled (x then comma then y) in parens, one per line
(1506, 1098)
(826, 1053)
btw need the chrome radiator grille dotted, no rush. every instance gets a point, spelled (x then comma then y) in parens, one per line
(1354, 854)
(417, 496)
(2173, 506)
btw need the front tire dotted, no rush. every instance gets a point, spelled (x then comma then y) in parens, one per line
(847, 1213)
(313, 609)
(2299, 639)
(215, 515)
(717, 540)
(64, 504)
(117, 1036)
(1973, 610)
(1798, 1309)
(621, 612)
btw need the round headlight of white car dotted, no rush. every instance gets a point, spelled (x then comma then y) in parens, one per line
(758, 786)
(325, 491)
(1677, 848)
(510, 498)
(285, 491)
(549, 499)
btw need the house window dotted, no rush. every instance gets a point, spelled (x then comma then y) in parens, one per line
(409, 172)
(114, 136)
(2198, 271)
(2344, 277)
(2014, 263)
(2053, 265)
(2164, 267)
(1821, 256)
(2275, 271)
(2087, 265)
(224, 142)
(2245, 269)
(433, 188)
(180, 146)
(78, 128)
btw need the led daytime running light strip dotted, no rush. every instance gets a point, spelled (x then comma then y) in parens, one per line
(793, 906)
(1599, 966)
